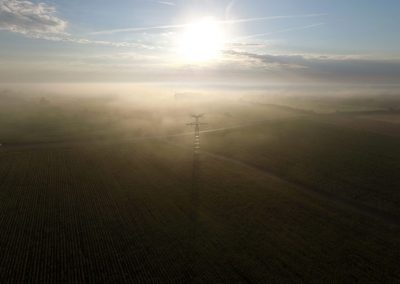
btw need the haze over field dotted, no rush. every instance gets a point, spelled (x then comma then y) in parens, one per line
(199, 141)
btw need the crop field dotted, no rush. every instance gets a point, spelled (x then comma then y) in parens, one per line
(338, 102)
(99, 196)
(356, 165)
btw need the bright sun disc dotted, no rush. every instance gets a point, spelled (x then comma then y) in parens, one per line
(201, 41)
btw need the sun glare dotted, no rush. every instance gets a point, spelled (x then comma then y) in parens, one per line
(201, 41)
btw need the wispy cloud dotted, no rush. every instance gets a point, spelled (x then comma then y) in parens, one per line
(282, 31)
(227, 22)
(248, 20)
(28, 18)
(166, 3)
(320, 67)
(40, 21)
(139, 29)
(77, 40)
(161, 2)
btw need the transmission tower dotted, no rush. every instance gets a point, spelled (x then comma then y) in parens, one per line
(196, 147)
(196, 124)
(195, 193)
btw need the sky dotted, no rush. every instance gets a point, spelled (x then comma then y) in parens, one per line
(258, 41)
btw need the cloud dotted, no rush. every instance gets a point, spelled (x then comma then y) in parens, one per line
(224, 22)
(77, 40)
(166, 3)
(39, 21)
(28, 18)
(249, 20)
(323, 68)
(283, 31)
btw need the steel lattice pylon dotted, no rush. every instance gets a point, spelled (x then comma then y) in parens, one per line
(195, 193)
(196, 124)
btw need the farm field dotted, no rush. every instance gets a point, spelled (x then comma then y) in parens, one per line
(357, 165)
(284, 199)
(380, 124)
(329, 104)
(188, 141)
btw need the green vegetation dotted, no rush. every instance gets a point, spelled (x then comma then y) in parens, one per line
(356, 165)
(287, 199)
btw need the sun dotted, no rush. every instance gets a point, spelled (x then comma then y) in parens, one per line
(201, 41)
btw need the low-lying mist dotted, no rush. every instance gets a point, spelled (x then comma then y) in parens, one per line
(59, 112)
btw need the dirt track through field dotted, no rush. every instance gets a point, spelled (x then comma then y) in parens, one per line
(378, 215)
(359, 207)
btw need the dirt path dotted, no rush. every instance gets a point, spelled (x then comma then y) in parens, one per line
(378, 215)
(375, 213)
